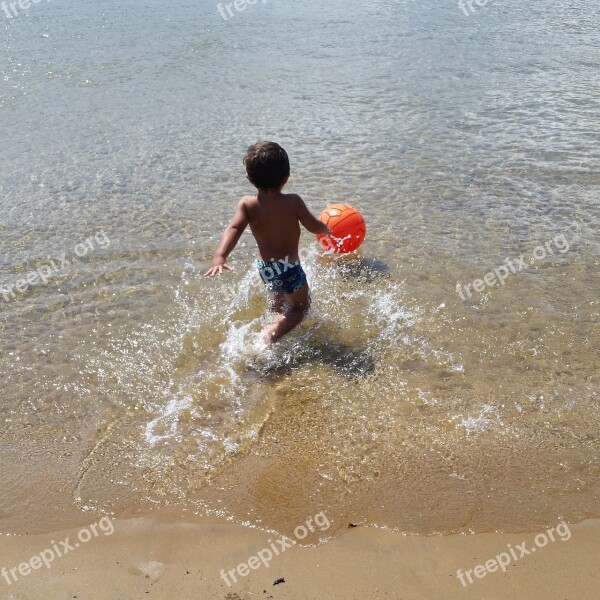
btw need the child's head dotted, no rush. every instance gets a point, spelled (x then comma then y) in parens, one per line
(267, 166)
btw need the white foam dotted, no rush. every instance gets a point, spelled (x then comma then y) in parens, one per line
(168, 418)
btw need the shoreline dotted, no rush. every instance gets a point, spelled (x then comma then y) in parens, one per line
(154, 557)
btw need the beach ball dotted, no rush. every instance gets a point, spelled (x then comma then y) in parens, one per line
(348, 228)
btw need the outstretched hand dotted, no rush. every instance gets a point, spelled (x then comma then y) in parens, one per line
(217, 266)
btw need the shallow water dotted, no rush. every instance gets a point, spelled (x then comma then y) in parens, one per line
(131, 382)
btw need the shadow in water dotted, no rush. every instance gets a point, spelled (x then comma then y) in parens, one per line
(363, 269)
(347, 361)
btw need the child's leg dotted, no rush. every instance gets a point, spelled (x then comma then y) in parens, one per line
(291, 309)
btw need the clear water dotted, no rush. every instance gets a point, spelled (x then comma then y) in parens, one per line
(130, 382)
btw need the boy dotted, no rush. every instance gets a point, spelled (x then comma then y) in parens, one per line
(274, 220)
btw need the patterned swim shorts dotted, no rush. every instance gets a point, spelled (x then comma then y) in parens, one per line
(281, 276)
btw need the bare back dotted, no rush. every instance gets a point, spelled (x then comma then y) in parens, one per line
(274, 222)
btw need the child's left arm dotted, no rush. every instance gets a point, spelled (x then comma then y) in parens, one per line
(229, 239)
(308, 220)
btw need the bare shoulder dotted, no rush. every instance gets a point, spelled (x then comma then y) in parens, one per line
(292, 197)
(248, 200)
(247, 204)
(295, 200)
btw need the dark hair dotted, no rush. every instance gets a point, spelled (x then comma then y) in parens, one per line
(267, 165)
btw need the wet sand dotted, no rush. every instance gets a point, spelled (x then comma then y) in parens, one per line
(152, 558)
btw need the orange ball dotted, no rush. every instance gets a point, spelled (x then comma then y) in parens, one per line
(348, 228)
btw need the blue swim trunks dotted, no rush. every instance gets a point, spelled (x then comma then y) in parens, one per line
(281, 276)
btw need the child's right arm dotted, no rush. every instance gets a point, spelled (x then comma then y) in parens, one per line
(308, 220)
(229, 239)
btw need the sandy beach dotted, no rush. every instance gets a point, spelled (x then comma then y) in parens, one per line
(151, 558)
